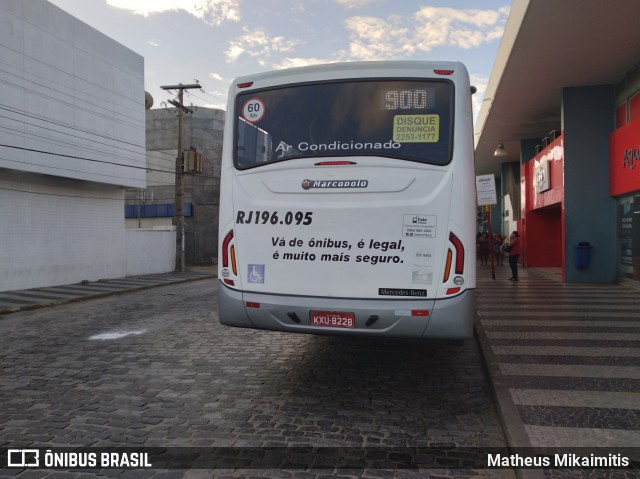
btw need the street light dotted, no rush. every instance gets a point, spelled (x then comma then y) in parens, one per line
(500, 150)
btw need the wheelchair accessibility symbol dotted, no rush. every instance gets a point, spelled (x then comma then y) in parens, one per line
(255, 273)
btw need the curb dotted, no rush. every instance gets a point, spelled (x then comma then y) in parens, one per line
(58, 302)
(512, 425)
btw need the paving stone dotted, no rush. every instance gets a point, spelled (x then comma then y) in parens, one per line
(188, 381)
(569, 362)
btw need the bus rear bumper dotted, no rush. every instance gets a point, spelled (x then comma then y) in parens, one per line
(448, 319)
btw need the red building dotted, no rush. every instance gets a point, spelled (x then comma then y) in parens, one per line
(564, 100)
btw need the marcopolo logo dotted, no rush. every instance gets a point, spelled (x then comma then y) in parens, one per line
(326, 184)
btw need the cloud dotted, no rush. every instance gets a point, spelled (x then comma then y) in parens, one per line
(460, 28)
(430, 27)
(352, 4)
(294, 62)
(153, 43)
(216, 76)
(376, 39)
(212, 12)
(258, 44)
(480, 82)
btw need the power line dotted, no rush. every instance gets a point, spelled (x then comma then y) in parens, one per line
(57, 141)
(200, 98)
(201, 175)
(76, 196)
(154, 182)
(65, 125)
(77, 107)
(73, 128)
(33, 150)
(54, 67)
(74, 91)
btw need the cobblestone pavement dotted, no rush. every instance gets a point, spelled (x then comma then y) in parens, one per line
(154, 368)
(564, 362)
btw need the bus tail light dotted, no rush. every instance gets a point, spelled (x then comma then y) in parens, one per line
(447, 267)
(458, 266)
(335, 163)
(233, 261)
(443, 72)
(229, 256)
(459, 269)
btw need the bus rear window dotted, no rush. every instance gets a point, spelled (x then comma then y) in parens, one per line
(403, 119)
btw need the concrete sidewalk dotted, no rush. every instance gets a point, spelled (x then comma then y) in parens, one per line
(563, 358)
(13, 301)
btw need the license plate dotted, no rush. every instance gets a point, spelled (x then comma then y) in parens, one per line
(333, 319)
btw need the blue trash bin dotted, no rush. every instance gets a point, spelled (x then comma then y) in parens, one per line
(582, 255)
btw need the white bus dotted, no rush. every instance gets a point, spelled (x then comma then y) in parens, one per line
(347, 201)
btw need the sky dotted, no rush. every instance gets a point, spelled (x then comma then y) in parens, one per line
(213, 41)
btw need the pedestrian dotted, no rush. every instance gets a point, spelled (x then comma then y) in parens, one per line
(483, 246)
(498, 240)
(513, 248)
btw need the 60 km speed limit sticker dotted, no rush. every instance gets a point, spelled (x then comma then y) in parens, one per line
(253, 110)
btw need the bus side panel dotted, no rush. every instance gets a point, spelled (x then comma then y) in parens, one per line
(231, 310)
(452, 318)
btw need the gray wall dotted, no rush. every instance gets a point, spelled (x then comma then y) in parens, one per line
(590, 213)
(203, 130)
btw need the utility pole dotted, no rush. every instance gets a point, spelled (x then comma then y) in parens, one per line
(179, 189)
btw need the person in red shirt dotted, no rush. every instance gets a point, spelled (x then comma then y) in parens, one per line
(514, 249)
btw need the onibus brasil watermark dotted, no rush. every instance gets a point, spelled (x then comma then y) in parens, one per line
(75, 459)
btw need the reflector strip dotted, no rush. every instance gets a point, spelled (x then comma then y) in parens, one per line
(447, 267)
(250, 304)
(459, 253)
(230, 282)
(233, 261)
(420, 312)
(453, 290)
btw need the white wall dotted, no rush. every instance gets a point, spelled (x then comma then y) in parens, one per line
(150, 251)
(58, 231)
(72, 120)
(67, 89)
(509, 224)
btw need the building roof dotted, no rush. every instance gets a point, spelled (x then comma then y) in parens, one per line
(548, 45)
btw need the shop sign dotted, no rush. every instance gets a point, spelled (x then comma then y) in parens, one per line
(541, 177)
(624, 159)
(486, 190)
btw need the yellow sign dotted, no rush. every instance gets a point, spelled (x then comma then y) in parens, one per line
(416, 128)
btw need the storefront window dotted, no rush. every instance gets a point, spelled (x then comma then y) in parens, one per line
(629, 237)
